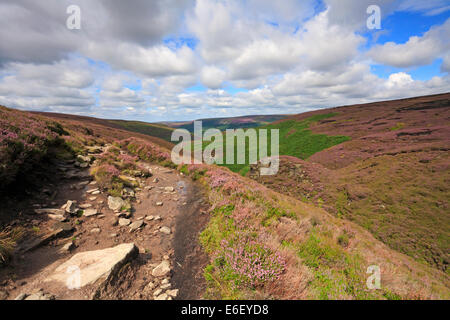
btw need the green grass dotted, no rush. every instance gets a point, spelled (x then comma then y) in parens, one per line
(295, 140)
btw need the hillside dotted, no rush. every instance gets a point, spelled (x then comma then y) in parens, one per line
(391, 176)
(192, 231)
(154, 132)
(228, 123)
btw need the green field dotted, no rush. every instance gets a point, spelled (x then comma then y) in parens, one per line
(295, 140)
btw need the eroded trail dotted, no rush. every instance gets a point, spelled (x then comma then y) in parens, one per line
(165, 262)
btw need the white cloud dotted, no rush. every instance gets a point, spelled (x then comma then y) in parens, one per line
(145, 60)
(416, 51)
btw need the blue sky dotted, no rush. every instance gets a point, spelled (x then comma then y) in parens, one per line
(190, 59)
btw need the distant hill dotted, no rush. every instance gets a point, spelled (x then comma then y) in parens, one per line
(151, 129)
(251, 121)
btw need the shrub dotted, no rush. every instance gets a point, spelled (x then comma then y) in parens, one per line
(251, 263)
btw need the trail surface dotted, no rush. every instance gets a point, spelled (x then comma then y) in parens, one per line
(166, 261)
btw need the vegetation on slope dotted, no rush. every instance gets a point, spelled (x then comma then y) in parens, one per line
(295, 140)
(150, 129)
(299, 250)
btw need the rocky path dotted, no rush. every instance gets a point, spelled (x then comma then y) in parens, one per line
(106, 253)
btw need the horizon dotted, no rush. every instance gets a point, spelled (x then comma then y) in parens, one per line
(218, 59)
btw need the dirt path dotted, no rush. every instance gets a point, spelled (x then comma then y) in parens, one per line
(167, 199)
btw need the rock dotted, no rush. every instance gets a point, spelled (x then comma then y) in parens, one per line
(92, 190)
(123, 214)
(124, 222)
(21, 296)
(85, 205)
(68, 247)
(115, 203)
(92, 198)
(3, 295)
(49, 211)
(97, 265)
(136, 225)
(149, 218)
(71, 207)
(36, 243)
(57, 217)
(173, 293)
(140, 218)
(128, 192)
(165, 281)
(159, 204)
(82, 159)
(156, 180)
(169, 189)
(96, 230)
(90, 212)
(40, 296)
(157, 292)
(166, 257)
(162, 269)
(113, 235)
(84, 165)
(157, 218)
(166, 286)
(165, 230)
(96, 192)
(162, 297)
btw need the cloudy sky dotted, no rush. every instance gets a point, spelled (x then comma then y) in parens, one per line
(156, 60)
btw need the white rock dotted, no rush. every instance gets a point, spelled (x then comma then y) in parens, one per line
(162, 297)
(157, 292)
(85, 205)
(57, 217)
(136, 225)
(71, 207)
(162, 269)
(124, 222)
(90, 212)
(165, 230)
(95, 265)
(159, 204)
(172, 293)
(115, 203)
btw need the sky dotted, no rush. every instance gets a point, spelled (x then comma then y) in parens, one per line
(175, 60)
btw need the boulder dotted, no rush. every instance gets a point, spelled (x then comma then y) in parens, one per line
(115, 203)
(95, 266)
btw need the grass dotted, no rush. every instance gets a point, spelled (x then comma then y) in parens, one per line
(8, 240)
(295, 140)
